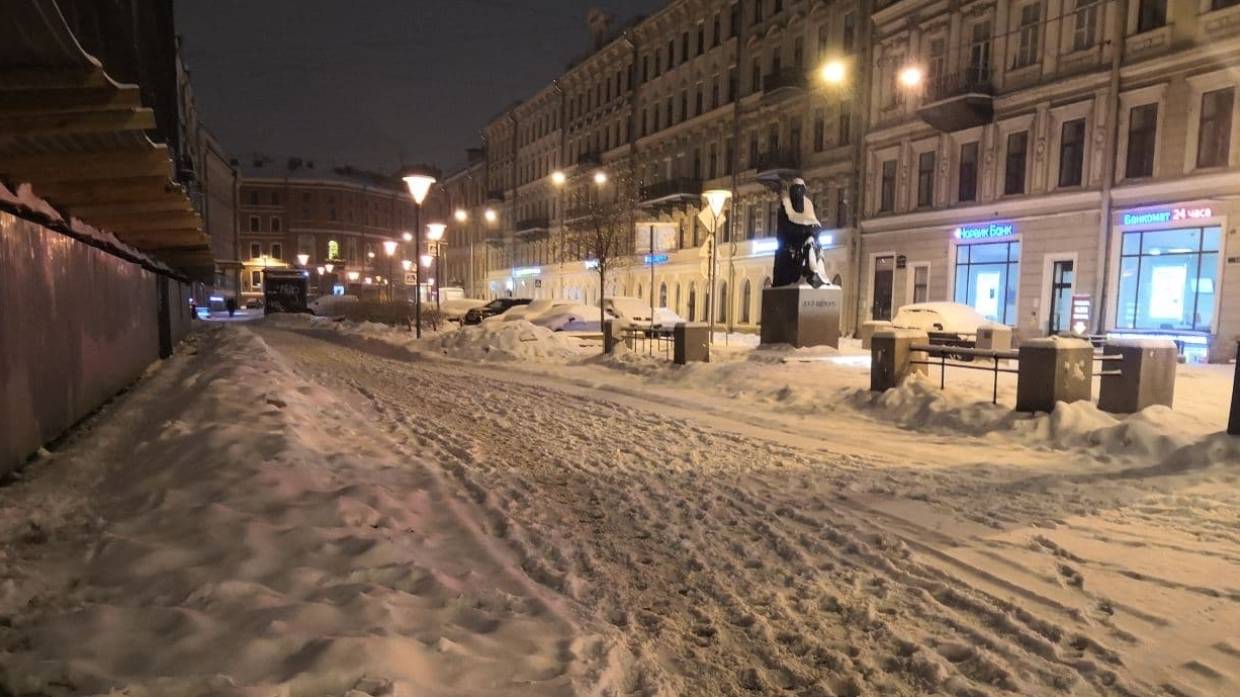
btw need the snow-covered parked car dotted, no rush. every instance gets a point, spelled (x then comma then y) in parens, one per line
(530, 312)
(571, 317)
(495, 307)
(331, 305)
(636, 312)
(454, 309)
(949, 323)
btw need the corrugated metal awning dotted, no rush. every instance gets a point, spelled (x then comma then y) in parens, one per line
(79, 139)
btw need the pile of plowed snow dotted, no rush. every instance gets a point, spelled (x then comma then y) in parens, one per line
(504, 341)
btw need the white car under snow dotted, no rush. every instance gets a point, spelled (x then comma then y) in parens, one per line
(941, 318)
(571, 317)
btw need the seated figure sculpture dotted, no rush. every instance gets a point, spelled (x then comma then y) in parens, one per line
(798, 259)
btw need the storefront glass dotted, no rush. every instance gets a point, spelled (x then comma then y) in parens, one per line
(1168, 279)
(987, 276)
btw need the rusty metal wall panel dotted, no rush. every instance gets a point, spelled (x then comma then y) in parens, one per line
(77, 325)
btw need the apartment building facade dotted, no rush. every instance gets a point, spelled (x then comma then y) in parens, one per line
(334, 216)
(1059, 166)
(702, 95)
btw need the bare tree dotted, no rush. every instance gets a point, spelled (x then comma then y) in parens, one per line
(600, 230)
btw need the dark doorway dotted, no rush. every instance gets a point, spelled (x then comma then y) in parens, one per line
(1061, 296)
(884, 279)
(165, 317)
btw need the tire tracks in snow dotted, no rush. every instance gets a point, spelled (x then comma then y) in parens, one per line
(710, 563)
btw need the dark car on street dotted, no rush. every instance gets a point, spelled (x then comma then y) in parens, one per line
(495, 307)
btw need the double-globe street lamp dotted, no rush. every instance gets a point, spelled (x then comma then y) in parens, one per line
(419, 186)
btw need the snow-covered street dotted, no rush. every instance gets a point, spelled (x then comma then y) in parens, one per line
(293, 511)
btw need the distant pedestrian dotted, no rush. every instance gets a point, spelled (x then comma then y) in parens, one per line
(231, 305)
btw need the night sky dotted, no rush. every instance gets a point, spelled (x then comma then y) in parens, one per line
(373, 83)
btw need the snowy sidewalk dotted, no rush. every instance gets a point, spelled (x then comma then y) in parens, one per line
(229, 529)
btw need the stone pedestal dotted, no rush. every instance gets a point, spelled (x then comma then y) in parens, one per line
(1144, 376)
(890, 354)
(801, 316)
(1054, 370)
(611, 335)
(690, 343)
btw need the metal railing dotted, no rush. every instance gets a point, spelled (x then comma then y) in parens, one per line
(651, 339)
(779, 159)
(968, 81)
(681, 186)
(957, 354)
(783, 78)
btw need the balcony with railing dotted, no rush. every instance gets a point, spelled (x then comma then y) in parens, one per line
(783, 80)
(532, 228)
(672, 190)
(959, 100)
(777, 162)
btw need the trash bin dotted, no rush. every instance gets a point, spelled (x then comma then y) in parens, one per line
(1143, 376)
(690, 343)
(868, 328)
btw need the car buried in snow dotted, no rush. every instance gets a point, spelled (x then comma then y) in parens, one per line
(495, 307)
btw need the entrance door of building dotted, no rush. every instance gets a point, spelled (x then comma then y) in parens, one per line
(1061, 296)
(884, 285)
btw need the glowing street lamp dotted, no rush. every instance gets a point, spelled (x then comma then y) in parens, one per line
(833, 73)
(490, 215)
(461, 215)
(426, 260)
(353, 276)
(558, 178)
(600, 177)
(419, 186)
(434, 231)
(406, 264)
(303, 259)
(407, 236)
(910, 76)
(331, 268)
(320, 270)
(716, 199)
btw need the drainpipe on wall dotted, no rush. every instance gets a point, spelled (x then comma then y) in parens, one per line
(857, 197)
(735, 165)
(1108, 169)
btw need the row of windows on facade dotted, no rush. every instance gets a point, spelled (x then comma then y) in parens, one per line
(349, 251)
(1213, 148)
(1084, 20)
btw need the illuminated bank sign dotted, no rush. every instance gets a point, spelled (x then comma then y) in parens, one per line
(652, 259)
(1166, 215)
(590, 264)
(985, 231)
(526, 271)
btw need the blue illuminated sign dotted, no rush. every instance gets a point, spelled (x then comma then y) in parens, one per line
(766, 245)
(650, 259)
(525, 271)
(985, 231)
(1166, 215)
(590, 263)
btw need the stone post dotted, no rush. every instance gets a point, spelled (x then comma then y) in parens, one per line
(1145, 376)
(1053, 370)
(690, 343)
(890, 354)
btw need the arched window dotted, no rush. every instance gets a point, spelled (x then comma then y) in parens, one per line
(745, 293)
(639, 290)
(722, 302)
(692, 309)
(662, 295)
(679, 308)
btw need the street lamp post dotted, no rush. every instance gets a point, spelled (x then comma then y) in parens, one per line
(716, 199)
(419, 186)
(558, 179)
(434, 234)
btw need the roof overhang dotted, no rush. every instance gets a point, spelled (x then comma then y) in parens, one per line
(79, 139)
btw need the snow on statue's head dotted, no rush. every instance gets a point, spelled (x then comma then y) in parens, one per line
(796, 193)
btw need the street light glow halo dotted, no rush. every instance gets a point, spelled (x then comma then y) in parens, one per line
(600, 177)
(389, 247)
(461, 215)
(434, 231)
(910, 76)
(716, 199)
(558, 178)
(419, 186)
(833, 72)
